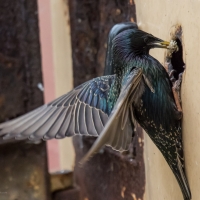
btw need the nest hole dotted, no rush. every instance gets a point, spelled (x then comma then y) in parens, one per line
(177, 59)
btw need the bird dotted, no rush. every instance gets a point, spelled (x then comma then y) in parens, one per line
(135, 89)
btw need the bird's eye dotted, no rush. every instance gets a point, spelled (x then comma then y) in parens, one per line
(146, 40)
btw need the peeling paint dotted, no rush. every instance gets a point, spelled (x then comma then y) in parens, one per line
(122, 192)
(134, 196)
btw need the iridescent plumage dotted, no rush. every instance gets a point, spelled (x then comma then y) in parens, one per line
(135, 88)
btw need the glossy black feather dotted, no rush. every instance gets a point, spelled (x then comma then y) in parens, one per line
(118, 28)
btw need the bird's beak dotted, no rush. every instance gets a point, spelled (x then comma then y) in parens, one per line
(171, 46)
(165, 44)
(159, 44)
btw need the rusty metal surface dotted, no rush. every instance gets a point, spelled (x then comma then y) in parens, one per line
(23, 168)
(20, 64)
(90, 23)
(61, 180)
(70, 194)
(108, 175)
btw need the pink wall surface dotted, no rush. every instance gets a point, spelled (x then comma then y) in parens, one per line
(44, 16)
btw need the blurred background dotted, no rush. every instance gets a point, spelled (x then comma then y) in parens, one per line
(47, 47)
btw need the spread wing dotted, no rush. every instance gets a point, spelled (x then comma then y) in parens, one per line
(82, 111)
(118, 130)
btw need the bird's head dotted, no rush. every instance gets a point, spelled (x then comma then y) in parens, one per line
(116, 29)
(141, 42)
(134, 42)
(125, 41)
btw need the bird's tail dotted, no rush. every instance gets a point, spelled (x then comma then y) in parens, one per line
(179, 173)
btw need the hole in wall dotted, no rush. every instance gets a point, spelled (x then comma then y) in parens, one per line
(175, 67)
(175, 60)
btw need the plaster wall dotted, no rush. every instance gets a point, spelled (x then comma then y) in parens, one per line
(55, 43)
(45, 27)
(159, 18)
(63, 69)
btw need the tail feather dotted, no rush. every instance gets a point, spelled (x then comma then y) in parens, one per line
(182, 180)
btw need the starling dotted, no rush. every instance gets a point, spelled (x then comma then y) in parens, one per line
(136, 89)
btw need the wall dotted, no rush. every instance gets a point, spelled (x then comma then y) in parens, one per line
(57, 71)
(23, 165)
(159, 18)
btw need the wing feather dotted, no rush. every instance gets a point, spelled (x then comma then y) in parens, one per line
(77, 118)
(81, 111)
(68, 115)
(57, 124)
(47, 125)
(22, 118)
(32, 126)
(65, 124)
(21, 125)
(97, 121)
(82, 120)
(89, 121)
(110, 134)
